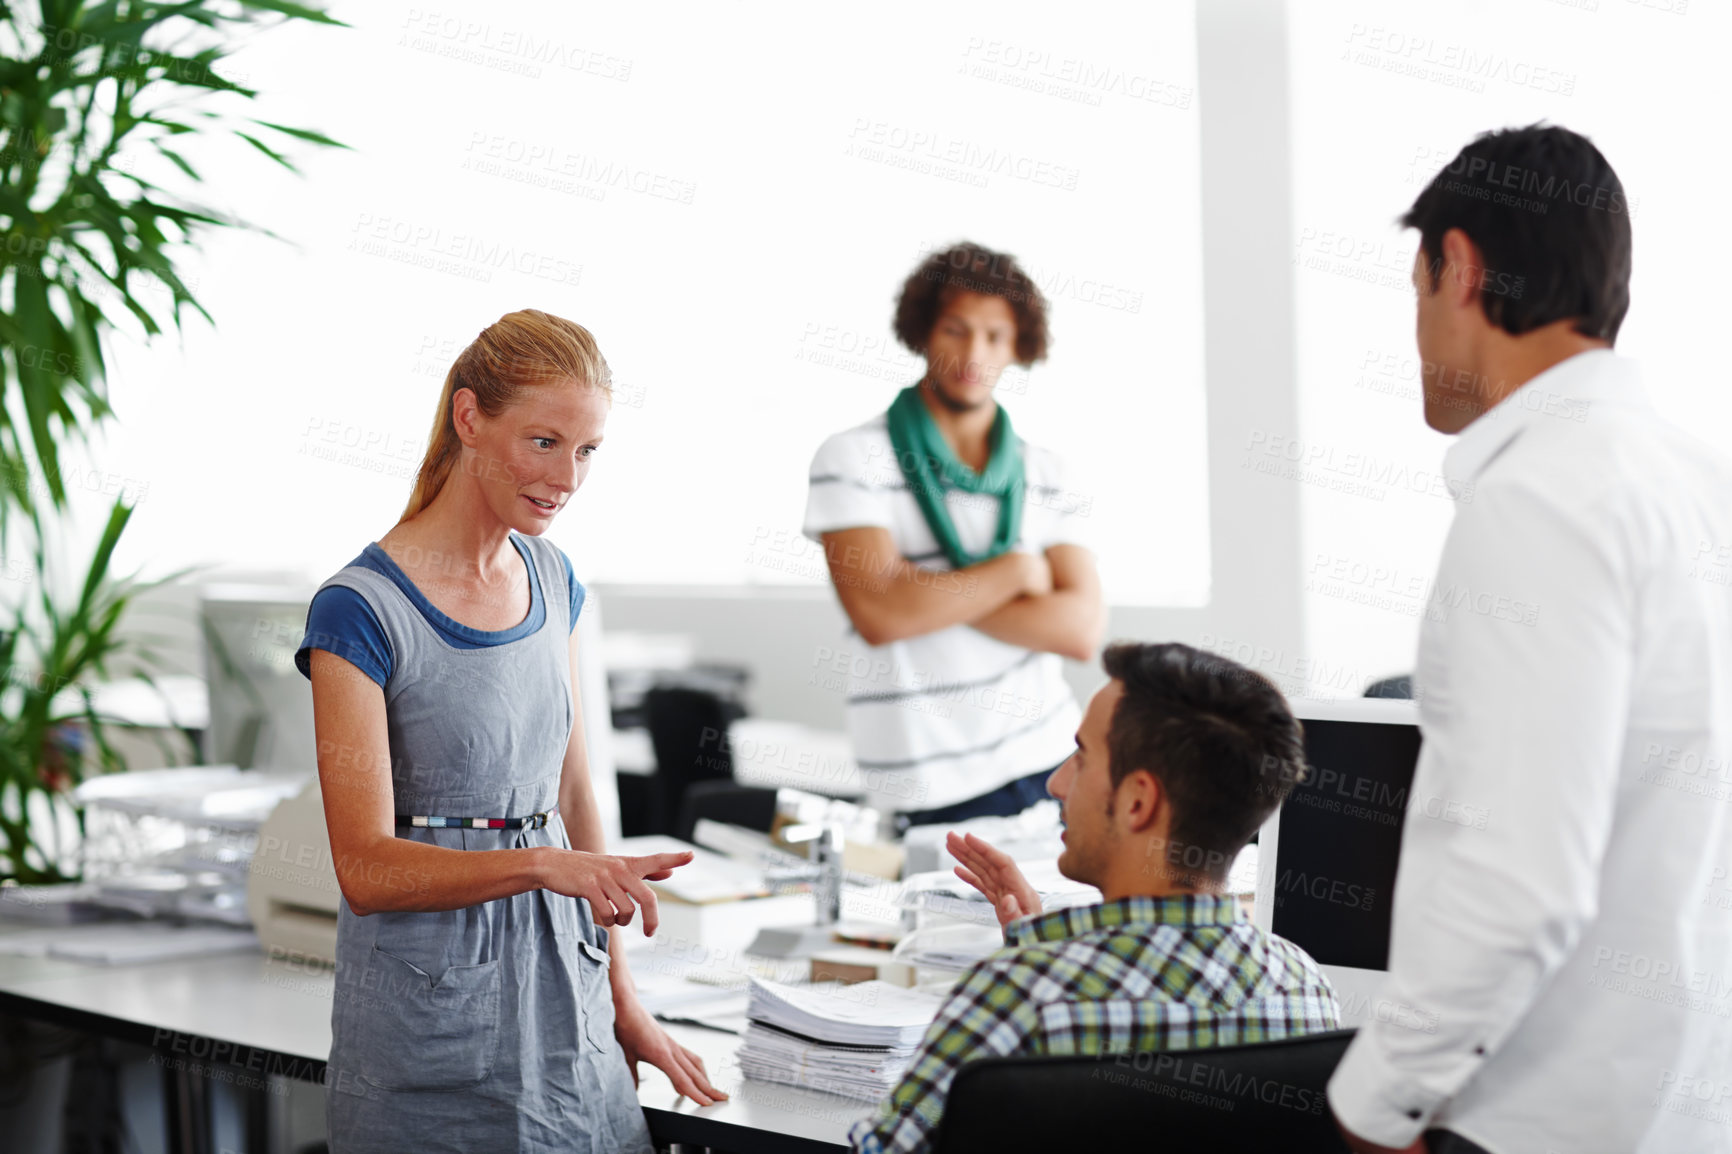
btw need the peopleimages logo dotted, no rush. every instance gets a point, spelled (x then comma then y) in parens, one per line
(1450, 64)
(928, 149)
(1324, 889)
(1177, 1068)
(1710, 984)
(1350, 471)
(1519, 182)
(1066, 77)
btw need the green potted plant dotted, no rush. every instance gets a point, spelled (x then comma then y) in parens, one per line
(87, 244)
(51, 733)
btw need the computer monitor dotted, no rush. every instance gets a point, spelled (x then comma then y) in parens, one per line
(1326, 860)
(261, 711)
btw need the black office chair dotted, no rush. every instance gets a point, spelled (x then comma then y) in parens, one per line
(1263, 1098)
(689, 730)
(751, 806)
(1399, 686)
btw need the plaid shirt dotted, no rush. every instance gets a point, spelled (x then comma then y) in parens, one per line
(1126, 976)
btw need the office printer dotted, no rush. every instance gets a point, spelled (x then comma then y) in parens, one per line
(292, 893)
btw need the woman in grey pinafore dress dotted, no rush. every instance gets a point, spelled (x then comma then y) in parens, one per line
(488, 1027)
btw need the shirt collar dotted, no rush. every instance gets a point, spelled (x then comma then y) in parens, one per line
(1567, 391)
(1140, 910)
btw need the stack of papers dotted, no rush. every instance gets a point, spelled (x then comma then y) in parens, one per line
(942, 892)
(957, 926)
(216, 795)
(62, 905)
(860, 1072)
(178, 841)
(861, 1014)
(854, 1040)
(956, 946)
(1031, 835)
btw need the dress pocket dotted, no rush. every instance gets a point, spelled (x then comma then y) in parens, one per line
(596, 992)
(582, 946)
(415, 1032)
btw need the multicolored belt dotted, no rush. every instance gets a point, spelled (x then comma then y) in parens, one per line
(423, 821)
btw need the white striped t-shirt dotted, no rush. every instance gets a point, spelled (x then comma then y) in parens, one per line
(953, 714)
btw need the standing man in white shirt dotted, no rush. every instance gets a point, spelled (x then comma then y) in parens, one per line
(1567, 969)
(958, 552)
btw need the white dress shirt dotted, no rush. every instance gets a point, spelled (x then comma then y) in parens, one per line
(1566, 947)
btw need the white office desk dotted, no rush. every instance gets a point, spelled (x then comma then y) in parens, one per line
(758, 1116)
(274, 1017)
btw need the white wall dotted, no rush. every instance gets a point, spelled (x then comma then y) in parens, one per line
(1253, 609)
(248, 493)
(1309, 141)
(1318, 581)
(1384, 93)
(730, 202)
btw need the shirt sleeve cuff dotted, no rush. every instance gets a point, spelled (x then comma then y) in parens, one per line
(863, 1138)
(1021, 931)
(1374, 1101)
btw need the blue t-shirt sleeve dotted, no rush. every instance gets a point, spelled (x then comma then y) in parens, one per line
(340, 621)
(573, 588)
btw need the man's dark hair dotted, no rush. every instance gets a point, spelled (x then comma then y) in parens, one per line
(1550, 220)
(1219, 738)
(967, 267)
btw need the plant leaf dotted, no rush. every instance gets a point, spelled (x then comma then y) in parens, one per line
(304, 134)
(293, 11)
(268, 151)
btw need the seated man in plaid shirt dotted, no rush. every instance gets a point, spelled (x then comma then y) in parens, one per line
(1180, 757)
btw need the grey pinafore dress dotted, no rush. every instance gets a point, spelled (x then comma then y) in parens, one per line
(488, 1028)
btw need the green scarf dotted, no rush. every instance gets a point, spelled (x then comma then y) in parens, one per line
(931, 469)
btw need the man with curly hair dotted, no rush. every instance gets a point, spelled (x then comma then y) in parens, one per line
(958, 552)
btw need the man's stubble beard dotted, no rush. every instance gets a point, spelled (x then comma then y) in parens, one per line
(950, 403)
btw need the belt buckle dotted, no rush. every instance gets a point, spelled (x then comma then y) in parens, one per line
(538, 820)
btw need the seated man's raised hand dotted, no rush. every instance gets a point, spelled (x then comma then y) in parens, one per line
(994, 874)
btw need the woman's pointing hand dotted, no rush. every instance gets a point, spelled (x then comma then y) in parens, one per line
(613, 884)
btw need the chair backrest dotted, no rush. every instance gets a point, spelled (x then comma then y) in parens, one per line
(1260, 1098)
(689, 730)
(750, 806)
(1398, 686)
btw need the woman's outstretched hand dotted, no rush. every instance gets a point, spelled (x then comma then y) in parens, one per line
(643, 1040)
(991, 871)
(613, 884)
